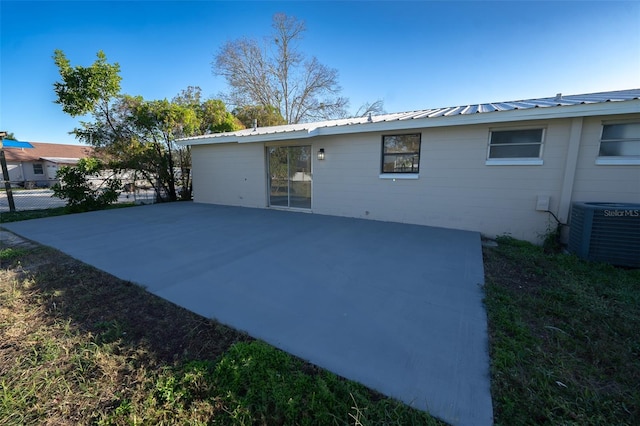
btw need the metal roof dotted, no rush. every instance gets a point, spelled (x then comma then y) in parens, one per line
(290, 131)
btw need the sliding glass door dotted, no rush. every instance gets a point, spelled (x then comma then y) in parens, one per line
(290, 176)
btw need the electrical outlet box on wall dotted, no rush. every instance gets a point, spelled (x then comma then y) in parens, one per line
(542, 204)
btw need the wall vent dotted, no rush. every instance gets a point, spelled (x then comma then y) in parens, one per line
(606, 232)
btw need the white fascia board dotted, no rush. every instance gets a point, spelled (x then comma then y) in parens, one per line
(207, 140)
(263, 137)
(280, 136)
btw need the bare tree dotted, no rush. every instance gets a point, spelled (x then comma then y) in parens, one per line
(276, 74)
(373, 108)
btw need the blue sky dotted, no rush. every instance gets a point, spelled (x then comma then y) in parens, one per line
(413, 55)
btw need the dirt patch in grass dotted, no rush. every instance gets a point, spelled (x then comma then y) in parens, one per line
(110, 308)
(92, 336)
(507, 267)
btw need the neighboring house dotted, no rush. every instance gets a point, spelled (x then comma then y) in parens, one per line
(497, 168)
(37, 167)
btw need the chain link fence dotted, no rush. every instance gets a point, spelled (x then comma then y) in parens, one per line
(38, 194)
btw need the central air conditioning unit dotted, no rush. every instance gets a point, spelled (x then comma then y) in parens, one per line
(606, 232)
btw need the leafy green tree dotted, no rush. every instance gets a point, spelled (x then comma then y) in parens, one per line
(77, 187)
(134, 133)
(263, 115)
(212, 113)
(85, 89)
(158, 124)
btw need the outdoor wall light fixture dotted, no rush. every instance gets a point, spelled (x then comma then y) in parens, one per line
(321, 154)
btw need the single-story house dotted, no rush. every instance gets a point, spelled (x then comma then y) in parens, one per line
(37, 166)
(505, 168)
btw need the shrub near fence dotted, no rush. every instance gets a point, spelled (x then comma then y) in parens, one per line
(36, 195)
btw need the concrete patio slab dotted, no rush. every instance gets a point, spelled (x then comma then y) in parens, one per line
(396, 307)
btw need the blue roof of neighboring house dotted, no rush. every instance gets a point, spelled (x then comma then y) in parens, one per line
(10, 143)
(556, 106)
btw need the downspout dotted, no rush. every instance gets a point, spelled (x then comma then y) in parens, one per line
(22, 175)
(568, 180)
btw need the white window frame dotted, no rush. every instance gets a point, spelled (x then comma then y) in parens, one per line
(617, 160)
(41, 168)
(516, 161)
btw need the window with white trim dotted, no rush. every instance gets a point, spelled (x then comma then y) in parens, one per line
(37, 169)
(525, 144)
(620, 140)
(401, 153)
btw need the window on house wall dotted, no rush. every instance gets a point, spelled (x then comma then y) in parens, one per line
(37, 169)
(516, 144)
(401, 153)
(620, 140)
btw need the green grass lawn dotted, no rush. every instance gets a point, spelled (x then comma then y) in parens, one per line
(78, 346)
(564, 338)
(6, 217)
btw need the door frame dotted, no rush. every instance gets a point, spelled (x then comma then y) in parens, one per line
(268, 173)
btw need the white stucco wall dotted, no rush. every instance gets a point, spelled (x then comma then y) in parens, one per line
(230, 174)
(455, 188)
(603, 183)
(20, 172)
(15, 173)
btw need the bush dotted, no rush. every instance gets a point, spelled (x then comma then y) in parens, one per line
(81, 194)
